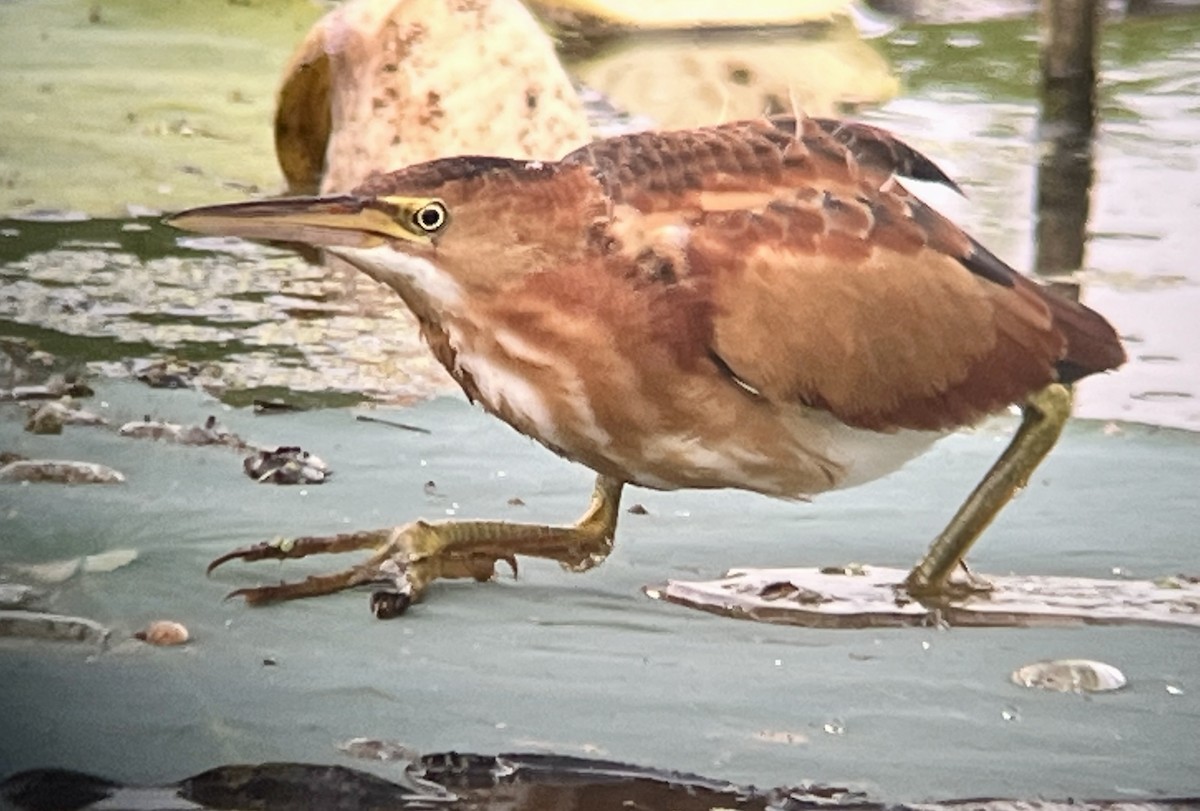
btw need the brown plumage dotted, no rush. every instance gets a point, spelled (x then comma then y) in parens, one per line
(760, 305)
(713, 307)
(837, 287)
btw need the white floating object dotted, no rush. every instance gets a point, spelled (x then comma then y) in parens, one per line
(1070, 676)
(874, 597)
(163, 632)
(109, 561)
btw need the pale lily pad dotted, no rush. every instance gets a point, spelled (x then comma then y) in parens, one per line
(109, 561)
(163, 104)
(685, 82)
(1070, 676)
(50, 573)
(60, 571)
(600, 16)
(18, 595)
(59, 471)
(873, 596)
(54, 627)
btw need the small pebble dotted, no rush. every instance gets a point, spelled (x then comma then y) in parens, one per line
(638, 509)
(163, 632)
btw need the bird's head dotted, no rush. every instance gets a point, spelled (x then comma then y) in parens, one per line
(439, 232)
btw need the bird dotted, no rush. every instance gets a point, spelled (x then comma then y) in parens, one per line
(761, 305)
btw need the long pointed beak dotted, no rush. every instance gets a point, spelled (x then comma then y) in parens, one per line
(339, 221)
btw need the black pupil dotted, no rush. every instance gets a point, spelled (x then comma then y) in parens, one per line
(430, 217)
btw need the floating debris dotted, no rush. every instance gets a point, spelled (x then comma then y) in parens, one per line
(108, 561)
(176, 374)
(19, 595)
(55, 572)
(57, 627)
(286, 465)
(873, 597)
(211, 433)
(373, 749)
(56, 387)
(51, 416)
(849, 570)
(781, 736)
(637, 509)
(1070, 676)
(163, 632)
(516, 501)
(275, 407)
(778, 591)
(45, 420)
(392, 423)
(59, 471)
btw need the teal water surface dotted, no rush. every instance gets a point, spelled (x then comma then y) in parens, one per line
(585, 664)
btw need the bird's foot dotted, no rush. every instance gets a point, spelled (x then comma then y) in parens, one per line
(1043, 418)
(407, 559)
(963, 586)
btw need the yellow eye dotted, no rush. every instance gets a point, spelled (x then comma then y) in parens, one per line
(430, 217)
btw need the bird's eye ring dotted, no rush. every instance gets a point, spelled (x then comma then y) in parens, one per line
(430, 217)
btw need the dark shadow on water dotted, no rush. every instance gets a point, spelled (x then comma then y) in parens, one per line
(519, 782)
(1066, 126)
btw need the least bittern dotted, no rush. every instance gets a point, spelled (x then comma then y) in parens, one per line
(758, 305)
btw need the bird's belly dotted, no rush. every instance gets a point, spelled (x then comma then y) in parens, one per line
(669, 431)
(809, 452)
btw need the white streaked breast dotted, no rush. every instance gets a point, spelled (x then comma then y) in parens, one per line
(402, 271)
(511, 395)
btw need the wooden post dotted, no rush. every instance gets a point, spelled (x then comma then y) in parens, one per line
(1070, 34)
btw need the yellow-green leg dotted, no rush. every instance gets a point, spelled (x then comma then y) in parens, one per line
(1042, 422)
(409, 558)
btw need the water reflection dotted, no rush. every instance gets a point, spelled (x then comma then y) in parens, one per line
(1065, 127)
(696, 77)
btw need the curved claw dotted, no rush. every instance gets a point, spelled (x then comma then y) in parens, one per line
(252, 596)
(267, 550)
(228, 556)
(288, 548)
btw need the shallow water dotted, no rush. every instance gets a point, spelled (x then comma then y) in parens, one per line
(584, 664)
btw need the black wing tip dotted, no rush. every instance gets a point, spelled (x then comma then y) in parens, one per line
(880, 147)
